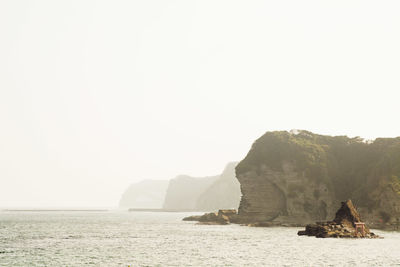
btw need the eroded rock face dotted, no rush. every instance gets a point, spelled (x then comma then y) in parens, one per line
(343, 226)
(299, 178)
(283, 195)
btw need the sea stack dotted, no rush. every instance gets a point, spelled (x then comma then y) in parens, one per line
(347, 224)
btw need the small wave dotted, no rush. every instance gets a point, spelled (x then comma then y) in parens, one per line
(72, 237)
(4, 252)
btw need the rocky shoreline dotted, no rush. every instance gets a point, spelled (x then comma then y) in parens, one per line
(344, 224)
(301, 177)
(222, 217)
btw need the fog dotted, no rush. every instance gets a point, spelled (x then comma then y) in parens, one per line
(96, 95)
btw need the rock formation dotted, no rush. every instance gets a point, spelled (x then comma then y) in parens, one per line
(147, 194)
(221, 217)
(343, 226)
(300, 177)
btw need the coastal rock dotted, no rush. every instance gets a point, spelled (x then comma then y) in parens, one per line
(347, 214)
(221, 217)
(193, 218)
(343, 226)
(299, 177)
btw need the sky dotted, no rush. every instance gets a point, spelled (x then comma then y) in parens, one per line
(96, 95)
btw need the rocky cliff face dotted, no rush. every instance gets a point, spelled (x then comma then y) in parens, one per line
(147, 194)
(224, 193)
(286, 195)
(301, 177)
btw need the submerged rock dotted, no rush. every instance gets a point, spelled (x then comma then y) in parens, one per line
(343, 226)
(193, 218)
(272, 224)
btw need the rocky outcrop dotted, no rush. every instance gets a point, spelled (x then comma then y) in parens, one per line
(343, 226)
(300, 177)
(221, 217)
(347, 215)
(147, 194)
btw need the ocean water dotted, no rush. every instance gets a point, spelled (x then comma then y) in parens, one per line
(162, 239)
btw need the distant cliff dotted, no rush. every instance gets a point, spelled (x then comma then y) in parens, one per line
(183, 191)
(224, 193)
(147, 194)
(204, 194)
(302, 177)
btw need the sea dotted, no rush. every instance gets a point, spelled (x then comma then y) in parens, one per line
(122, 238)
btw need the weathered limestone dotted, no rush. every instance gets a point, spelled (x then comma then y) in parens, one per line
(285, 196)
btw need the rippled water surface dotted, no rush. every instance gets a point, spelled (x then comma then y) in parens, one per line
(162, 239)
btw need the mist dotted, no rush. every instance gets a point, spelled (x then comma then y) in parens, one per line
(96, 95)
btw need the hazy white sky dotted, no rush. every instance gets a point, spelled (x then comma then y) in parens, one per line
(95, 95)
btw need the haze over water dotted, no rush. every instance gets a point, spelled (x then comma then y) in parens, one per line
(162, 239)
(98, 94)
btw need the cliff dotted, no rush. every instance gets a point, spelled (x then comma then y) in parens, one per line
(147, 194)
(204, 194)
(224, 193)
(186, 193)
(299, 177)
(183, 191)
